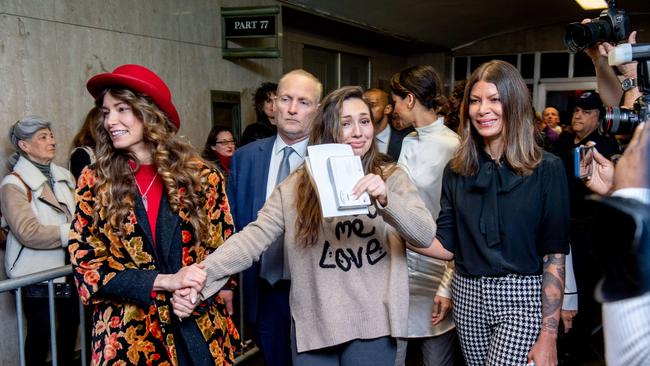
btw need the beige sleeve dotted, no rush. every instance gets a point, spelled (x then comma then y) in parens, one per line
(22, 222)
(245, 247)
(406, 212)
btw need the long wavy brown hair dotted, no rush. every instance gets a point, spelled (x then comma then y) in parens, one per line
(521, 152)
(178, 164)
(325, 130)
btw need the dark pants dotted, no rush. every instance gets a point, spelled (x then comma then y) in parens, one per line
(584, 343)
(439, 350)
(359, 352)
(37, 341)
(273, 327)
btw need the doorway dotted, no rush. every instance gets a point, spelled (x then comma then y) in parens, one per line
(561, 95)
(226, 111)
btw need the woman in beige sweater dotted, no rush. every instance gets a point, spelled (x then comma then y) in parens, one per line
(349, 284)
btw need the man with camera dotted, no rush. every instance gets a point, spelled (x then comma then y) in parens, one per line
(624, 204)
(625, 251)
(620, 225)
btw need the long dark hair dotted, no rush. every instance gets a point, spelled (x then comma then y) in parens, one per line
(521, 151)
(421, 81)
(263, 94)
(325, 130)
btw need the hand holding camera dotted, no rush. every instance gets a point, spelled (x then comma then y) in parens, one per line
(601, 180)
(613, 25)
(631, 170)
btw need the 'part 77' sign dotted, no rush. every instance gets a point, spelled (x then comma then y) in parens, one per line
(250, 26)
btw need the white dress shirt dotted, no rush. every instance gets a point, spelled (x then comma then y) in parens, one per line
(295, 159)
(382, 140)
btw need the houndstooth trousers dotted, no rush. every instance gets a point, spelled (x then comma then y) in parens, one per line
(497, 319)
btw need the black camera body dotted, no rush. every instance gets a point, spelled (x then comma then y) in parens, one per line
(622, 121)
(613, 25)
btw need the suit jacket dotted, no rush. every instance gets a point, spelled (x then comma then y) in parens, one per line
(249, 171)
(115, 275)
(395, 142)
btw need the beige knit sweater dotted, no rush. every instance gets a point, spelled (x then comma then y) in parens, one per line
(353, 283)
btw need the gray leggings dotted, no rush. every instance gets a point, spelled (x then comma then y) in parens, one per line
(358, 352)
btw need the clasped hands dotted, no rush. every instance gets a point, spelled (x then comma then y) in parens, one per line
(185, 286)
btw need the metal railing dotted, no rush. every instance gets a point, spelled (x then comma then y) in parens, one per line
(49, 276)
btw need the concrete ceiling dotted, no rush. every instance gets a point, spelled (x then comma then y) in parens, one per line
(451, 24)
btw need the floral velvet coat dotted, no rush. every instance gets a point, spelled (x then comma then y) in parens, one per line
(136, 327)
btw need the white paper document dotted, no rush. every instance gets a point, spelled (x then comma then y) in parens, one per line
(335, 164)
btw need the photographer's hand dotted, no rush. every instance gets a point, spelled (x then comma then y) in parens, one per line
(628, 70)
(602, 178)
(609, 87)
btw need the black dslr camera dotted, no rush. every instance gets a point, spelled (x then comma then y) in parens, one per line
(622, 121)
(613, 25)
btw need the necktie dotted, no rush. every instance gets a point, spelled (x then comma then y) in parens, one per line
(284, 170)
(272, 263)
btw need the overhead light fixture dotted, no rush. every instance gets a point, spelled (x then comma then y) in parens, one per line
(592, 4)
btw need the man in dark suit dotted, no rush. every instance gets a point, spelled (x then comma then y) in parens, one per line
(255, 171)
(388, 139)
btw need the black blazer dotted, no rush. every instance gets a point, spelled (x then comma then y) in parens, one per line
(395, 141)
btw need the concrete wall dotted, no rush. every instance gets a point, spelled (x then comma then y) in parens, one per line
(441, 61)
(50, 48)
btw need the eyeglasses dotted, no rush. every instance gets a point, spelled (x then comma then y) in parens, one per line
(225, 142)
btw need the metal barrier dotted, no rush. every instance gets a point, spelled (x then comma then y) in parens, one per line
(50, 275)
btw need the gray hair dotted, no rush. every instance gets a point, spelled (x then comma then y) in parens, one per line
(24, 129)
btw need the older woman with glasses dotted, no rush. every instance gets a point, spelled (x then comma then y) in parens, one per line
(219, 148)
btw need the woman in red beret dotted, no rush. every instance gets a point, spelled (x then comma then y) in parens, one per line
(147, 209)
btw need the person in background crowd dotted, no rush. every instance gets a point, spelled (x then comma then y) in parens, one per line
(397, 123)
(452, 117)
(505, 220)
(81, 156)
(256, 169)
(147, 209)
(546, 134)
(265, 125)
(417, 92)
(585, 342)
(219, 148)
(83, 143)
(37, 202)
(389, 140)
(551, 119)
(344, 312)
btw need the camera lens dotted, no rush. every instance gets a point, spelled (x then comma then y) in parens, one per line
(580, 36)
(619, 121)
(577, 37)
